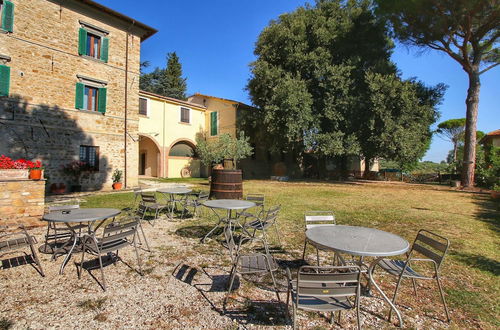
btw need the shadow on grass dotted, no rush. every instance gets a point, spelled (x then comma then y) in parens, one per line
(489, 211)
(197, 231)
(477, 261)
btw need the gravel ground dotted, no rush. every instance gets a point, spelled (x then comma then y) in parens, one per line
(183, 287)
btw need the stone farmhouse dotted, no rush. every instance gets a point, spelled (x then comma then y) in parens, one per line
(69, 87)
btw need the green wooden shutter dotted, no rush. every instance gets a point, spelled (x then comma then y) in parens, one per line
(213, 123)
(82, 42)
(8, 16)
(79, 94)
(104, 49)
(4, 80)
(101, 102)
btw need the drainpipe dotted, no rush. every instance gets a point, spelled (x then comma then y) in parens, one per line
(126, 104)
(164, 158)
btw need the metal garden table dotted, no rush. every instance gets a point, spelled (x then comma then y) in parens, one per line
(363, 242)
(229, 205)
(172, 192)
(89, 216)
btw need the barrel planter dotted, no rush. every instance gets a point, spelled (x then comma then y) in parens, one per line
(226, 184)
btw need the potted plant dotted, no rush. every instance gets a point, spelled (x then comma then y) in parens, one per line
(495, 193)
(223, 154)
(117, 179)
(74, 170)
(36, 169)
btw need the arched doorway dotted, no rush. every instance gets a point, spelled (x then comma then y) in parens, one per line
(182, 160)
(149, 157)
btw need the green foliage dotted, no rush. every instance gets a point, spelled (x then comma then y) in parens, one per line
(215, 151)
(310, 67)
(452, 130)
(466, 30)
(323, 81)
(117, 176)
(396, 122)
(488, 167)
(167, 82)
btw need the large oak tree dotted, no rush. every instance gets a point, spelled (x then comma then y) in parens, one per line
(324, 82)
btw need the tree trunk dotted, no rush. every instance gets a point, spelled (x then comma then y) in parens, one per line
(367, 168)
(472, 103)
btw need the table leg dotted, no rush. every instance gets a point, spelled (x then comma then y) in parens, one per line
(371, 270)
(70, 252)
(214, 228)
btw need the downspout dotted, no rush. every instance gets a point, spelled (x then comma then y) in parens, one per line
(126, 104)
(164, 158)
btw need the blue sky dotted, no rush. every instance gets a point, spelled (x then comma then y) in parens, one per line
(215, 40)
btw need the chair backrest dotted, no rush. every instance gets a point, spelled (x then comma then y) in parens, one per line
(65, 207)
(126, 229)
(430, 245)
(148, 197)
(270, 215)
(258, 199)
(335, 282)
(319, 218)
(203, 196)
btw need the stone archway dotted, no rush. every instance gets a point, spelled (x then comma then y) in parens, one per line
(181, 160)
(149, 157)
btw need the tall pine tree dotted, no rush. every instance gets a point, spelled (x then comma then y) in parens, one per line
(167, 82)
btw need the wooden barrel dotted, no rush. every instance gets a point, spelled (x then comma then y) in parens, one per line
(226, 184)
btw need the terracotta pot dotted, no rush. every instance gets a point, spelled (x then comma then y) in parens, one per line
(35, 174)
(58, 188)
(117, 185)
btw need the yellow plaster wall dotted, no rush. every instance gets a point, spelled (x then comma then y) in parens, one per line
(175, 166)
(226, 114)
(163, 124)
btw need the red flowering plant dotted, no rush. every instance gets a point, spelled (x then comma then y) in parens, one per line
(21, 164)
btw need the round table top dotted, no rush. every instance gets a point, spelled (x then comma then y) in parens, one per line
(81, 215)
(359, 241)
(175, 190)
(229, 204)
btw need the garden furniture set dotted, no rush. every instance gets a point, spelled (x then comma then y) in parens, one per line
(326, 288)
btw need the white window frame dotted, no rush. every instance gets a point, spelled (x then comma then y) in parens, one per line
(180, 115)
(147, 106)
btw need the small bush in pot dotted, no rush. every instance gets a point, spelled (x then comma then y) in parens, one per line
(117, 179)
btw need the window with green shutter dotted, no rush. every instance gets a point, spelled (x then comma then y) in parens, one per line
(213, 123)
(4, 80)
(7, 16)
(92, 43)
(90, 98)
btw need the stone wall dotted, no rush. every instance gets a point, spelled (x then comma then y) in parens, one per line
(39, 120)
(22, 201)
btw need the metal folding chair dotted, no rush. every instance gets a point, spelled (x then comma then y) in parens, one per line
(259, 200)
(265, 219)
(319, 219)
(116, 236)
(434, 248)
(149, 203)
(61, 232)
(195, 202)
(325, 289)
(11, 242)
(248, 263)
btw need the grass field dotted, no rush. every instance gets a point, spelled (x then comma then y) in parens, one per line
(471, 222)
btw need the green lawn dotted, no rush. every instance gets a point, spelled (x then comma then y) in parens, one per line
(470, 221)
